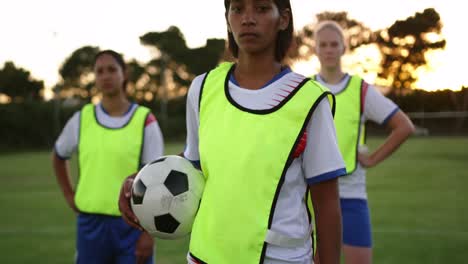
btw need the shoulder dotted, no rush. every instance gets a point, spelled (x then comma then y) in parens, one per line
(150, 119)
(372, 92)
(198, 81)
(194, 90)
(75, 118)
(309, 81)
(138, 107)
(87, 107)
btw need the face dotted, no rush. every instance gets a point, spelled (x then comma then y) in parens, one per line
(329, 47)
(255, 24)
(109, 75)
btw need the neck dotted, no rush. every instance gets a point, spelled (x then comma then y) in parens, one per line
(252, 72)
(332, 75)
(115, 105)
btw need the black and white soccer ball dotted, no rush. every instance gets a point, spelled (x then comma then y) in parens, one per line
(166, 195)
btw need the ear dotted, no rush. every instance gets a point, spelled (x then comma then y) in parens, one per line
(285, 19)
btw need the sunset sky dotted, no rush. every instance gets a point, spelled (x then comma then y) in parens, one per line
(39, 35)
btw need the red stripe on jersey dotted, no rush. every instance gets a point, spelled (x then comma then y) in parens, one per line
(286, 91)
(364, 88)
(301, 146)
(150, 119)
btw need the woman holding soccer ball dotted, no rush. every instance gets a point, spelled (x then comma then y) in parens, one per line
(357, 102)
(113, 139)
(263, 135)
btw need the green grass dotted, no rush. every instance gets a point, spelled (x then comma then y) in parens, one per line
(418, 206)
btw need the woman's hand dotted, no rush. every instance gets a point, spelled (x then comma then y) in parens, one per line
(365, 160)
(124, 203)
(71, 202)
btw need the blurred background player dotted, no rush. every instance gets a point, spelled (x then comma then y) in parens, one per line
(112, 139)
(356, 103)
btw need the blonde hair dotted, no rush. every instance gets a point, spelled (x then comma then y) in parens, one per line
(330, 24)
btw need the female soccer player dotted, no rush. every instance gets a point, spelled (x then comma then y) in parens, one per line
(263, 135)
(113, 139)
(356, 102)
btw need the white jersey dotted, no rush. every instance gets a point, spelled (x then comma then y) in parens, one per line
(320, 161)
(376, 108)
(153, 144)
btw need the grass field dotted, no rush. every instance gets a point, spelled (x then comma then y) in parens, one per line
(418, 200)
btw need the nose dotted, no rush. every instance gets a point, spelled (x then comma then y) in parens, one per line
(248, 17)
(105, 75)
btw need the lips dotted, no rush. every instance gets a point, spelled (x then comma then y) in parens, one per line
(248, 35)
(107, 85)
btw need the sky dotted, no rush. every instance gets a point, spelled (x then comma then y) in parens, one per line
(39, 35)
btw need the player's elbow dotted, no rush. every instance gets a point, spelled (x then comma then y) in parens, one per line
(409, 128)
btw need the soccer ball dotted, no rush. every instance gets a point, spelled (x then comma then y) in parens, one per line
(165, 196)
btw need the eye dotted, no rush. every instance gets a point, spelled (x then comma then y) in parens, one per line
(263, 8)
(99, 71)
(235, 9)
(112, 69)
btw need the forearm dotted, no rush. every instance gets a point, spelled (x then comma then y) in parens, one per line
(401, 128)
(392, 143)
(328, 222)
(62, 174)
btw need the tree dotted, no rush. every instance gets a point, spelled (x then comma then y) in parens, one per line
(175, 65)
(18, 84)
(137, 82)
(404, 44)
(76, 72)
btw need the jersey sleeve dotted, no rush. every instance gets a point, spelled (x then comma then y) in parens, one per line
(192, 119)
(377, 107)
(322, 160)
(67, 143)
(153, 142)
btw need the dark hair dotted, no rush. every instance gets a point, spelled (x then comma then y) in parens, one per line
(284, 38)
(118, 58)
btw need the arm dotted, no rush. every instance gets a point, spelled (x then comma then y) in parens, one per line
(144, 248)
(62, 172)
(328, 220)
(322, 165)
(153, 144)
(65, 146)
(192, 121)
(401, 128)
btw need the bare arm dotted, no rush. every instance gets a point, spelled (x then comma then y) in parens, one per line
(62, 172)
(328, 220)
(401, 128)
(144, 248)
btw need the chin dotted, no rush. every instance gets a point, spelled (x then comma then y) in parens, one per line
(330, 65)
(110, 93)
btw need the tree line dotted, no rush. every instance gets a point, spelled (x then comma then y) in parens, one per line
(402, 47)
(162, 82)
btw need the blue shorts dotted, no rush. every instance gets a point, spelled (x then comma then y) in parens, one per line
(356, 223)
(106, 239)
